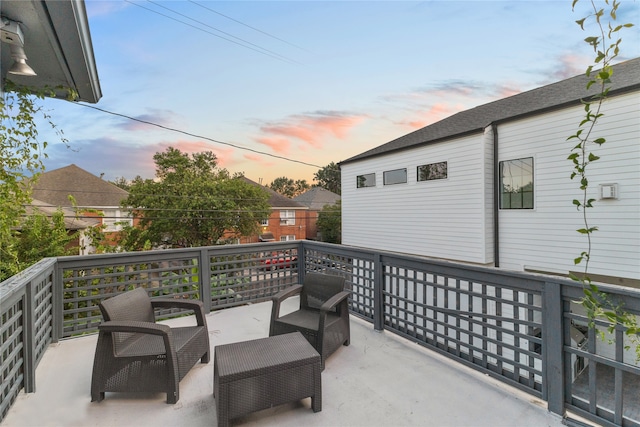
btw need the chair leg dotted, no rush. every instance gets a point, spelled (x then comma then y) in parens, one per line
(205, 358)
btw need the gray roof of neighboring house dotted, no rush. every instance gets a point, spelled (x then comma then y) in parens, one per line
(626, 77)
(55, 186)
(70, 220)
(317, 197)
(277, 200)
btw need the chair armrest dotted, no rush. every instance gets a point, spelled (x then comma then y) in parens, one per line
(334, 300)
(186, 304)
(135, 327)
(286, 293)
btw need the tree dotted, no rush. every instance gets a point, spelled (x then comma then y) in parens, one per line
(40, 237)
(329, 178)
(21, 156)
(288, 187)
(330, 223)
(191, 203)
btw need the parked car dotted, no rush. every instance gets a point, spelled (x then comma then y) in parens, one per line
(285, 261)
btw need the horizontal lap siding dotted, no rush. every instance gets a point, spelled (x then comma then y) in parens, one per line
(545, 238)
(439, 218)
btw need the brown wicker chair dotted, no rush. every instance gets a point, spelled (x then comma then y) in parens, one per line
(323, 316)
(135, 354)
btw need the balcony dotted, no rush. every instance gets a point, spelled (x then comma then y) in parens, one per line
(435, 342)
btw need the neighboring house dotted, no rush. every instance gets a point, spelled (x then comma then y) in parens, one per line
(72, 223)
(315, 199)
(491, 185)
(92, 196)
(286, 222)
(54, 37)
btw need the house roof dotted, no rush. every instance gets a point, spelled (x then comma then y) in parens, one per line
(55, 186)
(71, 222)
(58, 46)
(317, 197)
(626, 77)
(277, 200)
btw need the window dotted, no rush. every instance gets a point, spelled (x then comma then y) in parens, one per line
(432, 171)
(113, 220)
(287, 217)
(368, 180)
(397, 176)
(264, 222)
(516, 184)
(287, 237)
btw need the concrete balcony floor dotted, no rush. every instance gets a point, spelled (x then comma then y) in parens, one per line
(379, 380)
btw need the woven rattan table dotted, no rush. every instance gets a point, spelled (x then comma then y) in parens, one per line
(253, 375)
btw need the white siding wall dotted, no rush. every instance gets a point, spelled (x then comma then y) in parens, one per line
(545, 237)
(447, 218)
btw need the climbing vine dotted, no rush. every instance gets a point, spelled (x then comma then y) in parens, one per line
(606, 46)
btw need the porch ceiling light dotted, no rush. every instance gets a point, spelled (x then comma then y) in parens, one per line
(11, 33)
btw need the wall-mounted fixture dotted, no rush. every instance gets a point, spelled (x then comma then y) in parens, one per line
(608, 191)
(11, 33)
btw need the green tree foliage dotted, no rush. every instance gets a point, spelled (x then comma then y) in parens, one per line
(330, 223)
(41, 237)
(288, 187)
(329, 178)
(606, 46)
(21, 156)
(192, 203)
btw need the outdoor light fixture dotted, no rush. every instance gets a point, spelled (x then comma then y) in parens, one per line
(11, 33)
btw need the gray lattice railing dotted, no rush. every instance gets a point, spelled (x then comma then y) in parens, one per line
(523, 329)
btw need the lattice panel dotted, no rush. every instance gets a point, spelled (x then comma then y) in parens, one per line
(11, 355)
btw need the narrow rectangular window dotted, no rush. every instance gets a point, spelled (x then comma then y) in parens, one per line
(516, 184)
(287, 217)
(287, 238)
(367, 180)
(396, 176)
(432, 171)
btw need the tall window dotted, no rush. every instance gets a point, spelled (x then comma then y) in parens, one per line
(367, 180)
(287, 217)
(432, 171)
(397, 176)
(516, 184)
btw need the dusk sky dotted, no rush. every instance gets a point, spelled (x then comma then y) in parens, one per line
(282, 88)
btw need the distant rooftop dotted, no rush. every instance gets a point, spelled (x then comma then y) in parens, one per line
(317, 197)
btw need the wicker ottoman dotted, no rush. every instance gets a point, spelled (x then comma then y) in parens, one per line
(253, 375)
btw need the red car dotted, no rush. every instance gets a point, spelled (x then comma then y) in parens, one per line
(280, 262)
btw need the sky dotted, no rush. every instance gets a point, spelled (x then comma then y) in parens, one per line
(284, 88)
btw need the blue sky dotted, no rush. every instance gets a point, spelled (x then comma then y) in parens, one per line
(314, 82)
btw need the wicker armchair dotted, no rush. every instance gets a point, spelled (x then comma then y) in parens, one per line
(135, 354)
(323, 316)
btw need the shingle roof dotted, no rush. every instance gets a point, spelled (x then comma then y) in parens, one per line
(276, 200)
(626, 77)
(70, 220)
(317, 197)
(55, 186)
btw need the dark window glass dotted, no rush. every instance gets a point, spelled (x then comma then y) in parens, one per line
(397, 176)
(516, 184)
(432, 171)
(368, 180)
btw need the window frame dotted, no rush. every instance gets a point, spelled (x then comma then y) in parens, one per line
(366, 178)
(521, 180)
(387, 175)
(287, 217)
(427, 178)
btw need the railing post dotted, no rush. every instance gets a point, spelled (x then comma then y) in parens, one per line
(28, 340)
(57, 303)
(204, 278)
(301, 262)
(553, 345)
(378, 286)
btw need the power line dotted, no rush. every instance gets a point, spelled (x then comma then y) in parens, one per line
(197, 136)
(246, 25)
(263, 51)
(223, 32)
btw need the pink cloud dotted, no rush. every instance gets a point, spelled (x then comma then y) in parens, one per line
(256, 158)
(570, 65)
(312, 129)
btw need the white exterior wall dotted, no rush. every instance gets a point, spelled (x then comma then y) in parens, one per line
(545, 238)
(446, 218)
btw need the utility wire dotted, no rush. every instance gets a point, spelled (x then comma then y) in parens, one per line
(246, 25)
(223, 32)
(263, 51)
(197, 136)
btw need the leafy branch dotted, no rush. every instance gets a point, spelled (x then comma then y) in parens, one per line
(606, 46)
